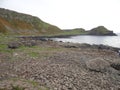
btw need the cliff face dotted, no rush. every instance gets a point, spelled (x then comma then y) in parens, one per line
(12, 22)
(101, 30)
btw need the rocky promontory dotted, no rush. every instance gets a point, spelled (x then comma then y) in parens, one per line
(98, 31)
(101, 30)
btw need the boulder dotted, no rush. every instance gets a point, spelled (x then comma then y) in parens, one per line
(97, 65)
(14, 45)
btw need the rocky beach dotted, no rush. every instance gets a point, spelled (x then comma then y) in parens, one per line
(32, 64)
(31, 60)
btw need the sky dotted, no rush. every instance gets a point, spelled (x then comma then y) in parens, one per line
(69, 14)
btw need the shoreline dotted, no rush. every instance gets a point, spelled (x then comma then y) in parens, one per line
(61, 36)
(50, 38)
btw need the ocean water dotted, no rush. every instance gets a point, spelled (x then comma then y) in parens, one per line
(105, 40)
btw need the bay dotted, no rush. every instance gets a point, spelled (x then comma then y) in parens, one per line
(113, 41)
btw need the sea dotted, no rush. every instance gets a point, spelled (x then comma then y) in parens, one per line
(113, 41)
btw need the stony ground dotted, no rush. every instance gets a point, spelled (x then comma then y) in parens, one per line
(49, 65)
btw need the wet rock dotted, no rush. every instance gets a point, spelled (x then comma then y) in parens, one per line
(116, 66)
(71, 46)
(43, 39)
(84, 45)
(105, 47)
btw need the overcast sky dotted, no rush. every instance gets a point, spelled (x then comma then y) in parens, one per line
(65, 14)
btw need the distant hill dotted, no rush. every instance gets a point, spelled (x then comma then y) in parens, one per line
(12, 22)
(101, 30)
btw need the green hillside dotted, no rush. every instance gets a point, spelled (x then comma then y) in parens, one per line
(12, 22)
(76, 31)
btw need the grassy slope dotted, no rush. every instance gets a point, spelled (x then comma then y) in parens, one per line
(17, 23)
(78, 31)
